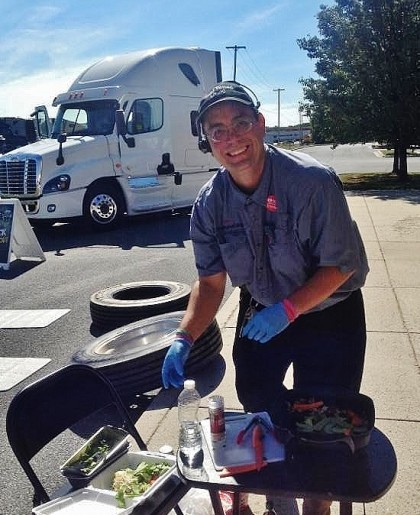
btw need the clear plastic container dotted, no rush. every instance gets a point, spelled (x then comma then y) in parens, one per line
(188, 403)
(190, 439)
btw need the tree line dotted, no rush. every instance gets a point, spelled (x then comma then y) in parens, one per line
(367, 58)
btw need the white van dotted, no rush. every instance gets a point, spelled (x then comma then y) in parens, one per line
(124, 141)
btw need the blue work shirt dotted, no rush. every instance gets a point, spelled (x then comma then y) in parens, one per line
(273, 240)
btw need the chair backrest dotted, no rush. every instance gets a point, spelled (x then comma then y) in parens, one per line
(46, 408)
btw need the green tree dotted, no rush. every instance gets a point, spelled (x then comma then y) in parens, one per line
(368, 62)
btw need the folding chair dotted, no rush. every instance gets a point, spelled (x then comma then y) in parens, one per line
(46, 408)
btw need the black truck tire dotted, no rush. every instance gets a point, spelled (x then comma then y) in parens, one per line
(126, 303)
(103, 206)
(131, 357)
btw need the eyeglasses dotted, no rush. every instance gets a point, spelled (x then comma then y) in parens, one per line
(238, 128)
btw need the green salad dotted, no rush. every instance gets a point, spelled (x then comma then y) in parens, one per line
(134, 482)
(92, 455)
(312, 416)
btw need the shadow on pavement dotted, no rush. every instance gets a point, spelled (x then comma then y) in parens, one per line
(160, 229)
(207, 380)
(409, 196)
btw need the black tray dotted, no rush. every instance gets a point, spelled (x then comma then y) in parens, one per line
(117, 440)
(285, 420)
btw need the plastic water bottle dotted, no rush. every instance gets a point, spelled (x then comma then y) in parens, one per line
(190, 440)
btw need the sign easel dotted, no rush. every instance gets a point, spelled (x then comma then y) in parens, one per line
(16, 234)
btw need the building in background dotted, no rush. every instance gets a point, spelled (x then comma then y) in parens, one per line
(288, 134)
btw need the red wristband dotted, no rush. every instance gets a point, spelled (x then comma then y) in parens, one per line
(184, 334)
(291, 312)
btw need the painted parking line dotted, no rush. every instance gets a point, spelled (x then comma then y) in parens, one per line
(25, 318)
(15, 370)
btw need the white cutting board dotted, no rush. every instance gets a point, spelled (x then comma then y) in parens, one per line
(228, 453)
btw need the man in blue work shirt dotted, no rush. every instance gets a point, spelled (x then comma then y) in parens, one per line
(277, 223)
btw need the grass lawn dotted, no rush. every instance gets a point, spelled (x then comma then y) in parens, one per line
(375, 181)
(378, 181)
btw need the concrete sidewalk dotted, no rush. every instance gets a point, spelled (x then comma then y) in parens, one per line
(390, 226)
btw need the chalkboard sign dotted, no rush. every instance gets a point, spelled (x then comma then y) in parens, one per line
(6, 223)
(16, 234)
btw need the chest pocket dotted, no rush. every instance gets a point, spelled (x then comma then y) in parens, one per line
(237, 256)
(283, 247)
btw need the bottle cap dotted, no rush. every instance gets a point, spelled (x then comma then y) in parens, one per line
(166, 449)
(189, 384)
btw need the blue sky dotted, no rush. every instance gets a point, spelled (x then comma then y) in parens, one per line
(45, 44)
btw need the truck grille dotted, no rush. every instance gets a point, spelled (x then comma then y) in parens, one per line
(18, 177)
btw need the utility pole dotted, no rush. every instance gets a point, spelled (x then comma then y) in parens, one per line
(235, 48)
(300, 110)
(278, 112)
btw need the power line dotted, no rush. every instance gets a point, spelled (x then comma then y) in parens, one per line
(261, 78)
(249, 76)
(247, 68)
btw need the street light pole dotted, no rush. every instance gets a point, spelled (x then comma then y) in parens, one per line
(278, 112)
(235, 48)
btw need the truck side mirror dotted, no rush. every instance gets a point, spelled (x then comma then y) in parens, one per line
(120, 122)
(42, 122)
(62, 138)
(122, 128)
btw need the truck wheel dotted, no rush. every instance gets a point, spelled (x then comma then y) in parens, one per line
(125, 303)
(103, 206)
(131, 357)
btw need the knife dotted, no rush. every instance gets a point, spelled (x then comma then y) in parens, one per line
(239, 469)
(258, 445)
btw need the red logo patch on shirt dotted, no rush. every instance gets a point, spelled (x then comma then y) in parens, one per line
(271, 204)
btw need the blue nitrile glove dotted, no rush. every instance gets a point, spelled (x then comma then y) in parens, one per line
(173, 364)
(268, 322)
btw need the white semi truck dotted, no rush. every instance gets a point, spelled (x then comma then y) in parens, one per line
(124, 141)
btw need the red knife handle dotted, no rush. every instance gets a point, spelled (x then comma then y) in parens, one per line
(239, 469)
(257, 443)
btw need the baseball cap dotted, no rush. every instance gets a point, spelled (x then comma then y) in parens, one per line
(222, 92)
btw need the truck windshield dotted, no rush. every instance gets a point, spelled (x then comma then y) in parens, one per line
(85, 118)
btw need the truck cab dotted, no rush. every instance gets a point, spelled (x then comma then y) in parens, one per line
(123, 142)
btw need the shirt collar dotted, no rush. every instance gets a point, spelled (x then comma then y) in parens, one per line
(260, 194)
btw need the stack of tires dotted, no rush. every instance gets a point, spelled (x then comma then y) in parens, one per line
(131, 355)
